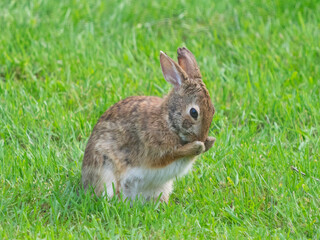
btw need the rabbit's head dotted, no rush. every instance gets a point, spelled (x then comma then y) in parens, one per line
(190, 110)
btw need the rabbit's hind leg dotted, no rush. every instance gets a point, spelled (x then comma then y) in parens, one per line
(107, 178)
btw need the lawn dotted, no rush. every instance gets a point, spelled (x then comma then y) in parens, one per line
(63, 63)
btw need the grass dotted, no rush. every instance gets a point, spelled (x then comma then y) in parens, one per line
(63, 63)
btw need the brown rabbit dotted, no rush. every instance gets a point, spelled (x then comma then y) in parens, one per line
(141, 144)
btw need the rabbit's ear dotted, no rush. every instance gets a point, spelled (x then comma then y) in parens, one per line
(172, 72)
(188, 63)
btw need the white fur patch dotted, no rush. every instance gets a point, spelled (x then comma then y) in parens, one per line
(149, 183)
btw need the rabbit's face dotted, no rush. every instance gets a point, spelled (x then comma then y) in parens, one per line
(191, 111)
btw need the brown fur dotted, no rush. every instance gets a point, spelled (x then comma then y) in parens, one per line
(143, 131)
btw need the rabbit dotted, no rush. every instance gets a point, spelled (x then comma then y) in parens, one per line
(142, 143)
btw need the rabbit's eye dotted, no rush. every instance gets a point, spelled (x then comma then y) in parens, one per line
(194, 113)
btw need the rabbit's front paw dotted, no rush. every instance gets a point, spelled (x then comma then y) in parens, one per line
(209, 143)
(198, 147)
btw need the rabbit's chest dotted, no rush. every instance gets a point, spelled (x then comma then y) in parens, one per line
(139, 179)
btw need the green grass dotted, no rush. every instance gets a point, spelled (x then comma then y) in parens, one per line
(63, 63)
